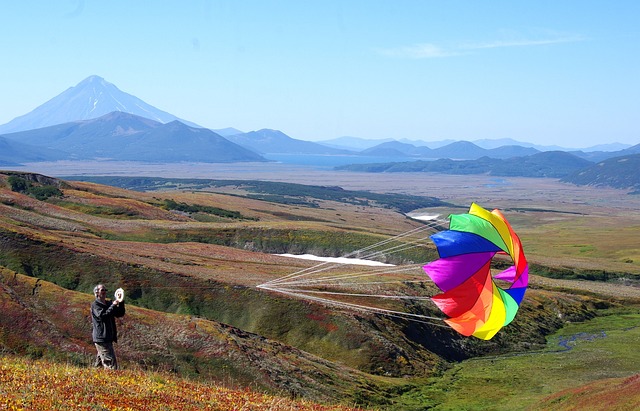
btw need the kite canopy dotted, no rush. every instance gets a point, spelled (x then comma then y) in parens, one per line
(475, 304)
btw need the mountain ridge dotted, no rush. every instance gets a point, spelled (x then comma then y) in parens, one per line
(619, 172)
(93, 97)
(266, 141)
(553, 164)
(125, 136)
(12, 153)
(64, 126)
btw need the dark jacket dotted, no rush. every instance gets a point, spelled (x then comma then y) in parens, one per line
(103, 317)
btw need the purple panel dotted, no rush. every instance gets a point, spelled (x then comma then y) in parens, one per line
(448, 273)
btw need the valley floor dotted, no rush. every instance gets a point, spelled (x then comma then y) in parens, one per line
(513, 191)
(561, 226)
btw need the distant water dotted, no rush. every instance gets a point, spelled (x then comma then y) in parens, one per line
(497, 182)
(331, 161)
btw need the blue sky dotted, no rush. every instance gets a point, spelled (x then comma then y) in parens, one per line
(545, 72)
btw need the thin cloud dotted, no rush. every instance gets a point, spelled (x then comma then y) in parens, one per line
(418, 51)
(430, 50)
(521, 43)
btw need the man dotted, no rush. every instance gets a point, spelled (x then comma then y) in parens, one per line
(103, 316)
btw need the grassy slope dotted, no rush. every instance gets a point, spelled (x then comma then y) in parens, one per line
(577, 358)
(100, 212)
(41, 319)
(610, 394)
(45, 386)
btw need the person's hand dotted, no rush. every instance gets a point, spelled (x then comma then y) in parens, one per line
(119, 295)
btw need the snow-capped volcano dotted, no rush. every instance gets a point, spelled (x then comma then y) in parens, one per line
(93, 97)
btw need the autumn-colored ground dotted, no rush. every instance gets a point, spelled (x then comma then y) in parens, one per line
(613, 394)
(46, 386)
(41, 319)
(203, 268)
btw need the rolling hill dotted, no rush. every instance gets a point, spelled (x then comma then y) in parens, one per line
(50, 319)
(268, 141)
(619, 172)
(54, 124)
(459, 150)
(190, 270)
(124, 136)
(554, 164)
(127, 137)
(599, 155)
(397, 149)
(13, 153)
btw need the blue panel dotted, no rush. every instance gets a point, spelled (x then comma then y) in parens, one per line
(516, 293)
(452, 243)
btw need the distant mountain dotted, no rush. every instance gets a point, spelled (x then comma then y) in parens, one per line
(382, 151)
(464, 150)
(268, 141)
(361, 144)
(629, 151)
(555, 164)
(397, 149)
(12, 153)
(607, 147)
(460, 150)
(430, 144)
(176, 141)
(352, 143)
(82, 138)
(618, 172)
(487, 144)
(490, 144)
(93, 97)
(511, 151)
(596, 156)
(226, 132)
(124, 136)
(547, 164)
(499, 142)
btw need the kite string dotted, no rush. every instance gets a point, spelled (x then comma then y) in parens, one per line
(354, 306)
(305, 279)
(300, 280)
(387, 296)
(396, 248)
(332, 279)
(289, 284)
(356, 252)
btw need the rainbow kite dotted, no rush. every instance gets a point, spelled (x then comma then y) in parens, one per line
(470, 297)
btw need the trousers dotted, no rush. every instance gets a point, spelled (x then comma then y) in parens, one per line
(106, 356)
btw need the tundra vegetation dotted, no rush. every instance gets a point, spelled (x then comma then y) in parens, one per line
(199, 334)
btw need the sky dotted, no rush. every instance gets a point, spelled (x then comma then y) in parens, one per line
(545, 72)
